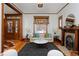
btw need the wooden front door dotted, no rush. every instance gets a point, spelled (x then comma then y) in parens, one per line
(11, 29)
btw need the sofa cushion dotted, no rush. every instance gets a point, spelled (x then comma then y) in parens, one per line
(36, 35)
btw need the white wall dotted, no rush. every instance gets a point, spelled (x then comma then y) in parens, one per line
(53, 18)
(28, 22)
(70, 9)
(0, 26)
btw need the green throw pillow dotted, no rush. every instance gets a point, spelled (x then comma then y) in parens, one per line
(36, 35)
(46, 35)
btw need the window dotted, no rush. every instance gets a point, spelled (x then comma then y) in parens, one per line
(40, 28)
(40, 24)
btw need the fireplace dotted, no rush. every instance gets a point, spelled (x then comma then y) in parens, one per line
(70, 38)
(69, 41)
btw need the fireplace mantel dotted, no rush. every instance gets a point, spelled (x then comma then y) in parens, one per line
(74, 30)
(71, 28)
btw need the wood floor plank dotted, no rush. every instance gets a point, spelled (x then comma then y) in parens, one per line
(19, 45)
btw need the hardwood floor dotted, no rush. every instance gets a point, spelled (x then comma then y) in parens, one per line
(19, 44)
(65, 50)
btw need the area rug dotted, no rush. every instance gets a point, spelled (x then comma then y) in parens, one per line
(31, 49)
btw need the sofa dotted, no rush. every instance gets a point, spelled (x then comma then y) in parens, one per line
(38, 36)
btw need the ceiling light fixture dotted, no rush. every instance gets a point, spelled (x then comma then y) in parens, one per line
(40, 5)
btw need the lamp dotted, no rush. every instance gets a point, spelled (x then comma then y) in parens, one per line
(27, 32)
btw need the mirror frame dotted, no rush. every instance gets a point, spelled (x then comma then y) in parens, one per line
(60, 21)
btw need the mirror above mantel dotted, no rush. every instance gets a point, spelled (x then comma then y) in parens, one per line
(70, 21)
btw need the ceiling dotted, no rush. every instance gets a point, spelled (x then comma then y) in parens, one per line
(33, 7)
(8, 10)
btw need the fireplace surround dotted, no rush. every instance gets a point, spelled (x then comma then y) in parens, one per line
(74, 30)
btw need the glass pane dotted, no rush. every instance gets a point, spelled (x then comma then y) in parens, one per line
(40, 28)
(16, 26)
(10, 24)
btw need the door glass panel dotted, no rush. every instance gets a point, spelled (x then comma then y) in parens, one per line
(9, 24)
(16, 26)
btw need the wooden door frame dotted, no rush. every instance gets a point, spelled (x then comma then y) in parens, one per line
(3, 22)
(2, 34)
(20, 23)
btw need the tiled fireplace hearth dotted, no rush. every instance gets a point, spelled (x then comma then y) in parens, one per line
(69, 41)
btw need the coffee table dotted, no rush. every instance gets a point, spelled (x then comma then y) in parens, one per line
(40, 42)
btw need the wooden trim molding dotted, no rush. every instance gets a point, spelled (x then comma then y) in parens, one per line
(21, 28)
(17, 7)
(41, 17)
(62, 8)
(3, 21)
(13, 14)
(14, 8)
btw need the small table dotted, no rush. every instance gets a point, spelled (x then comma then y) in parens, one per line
(56, 37)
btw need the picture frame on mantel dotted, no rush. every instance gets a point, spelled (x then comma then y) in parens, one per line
(60, 21)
